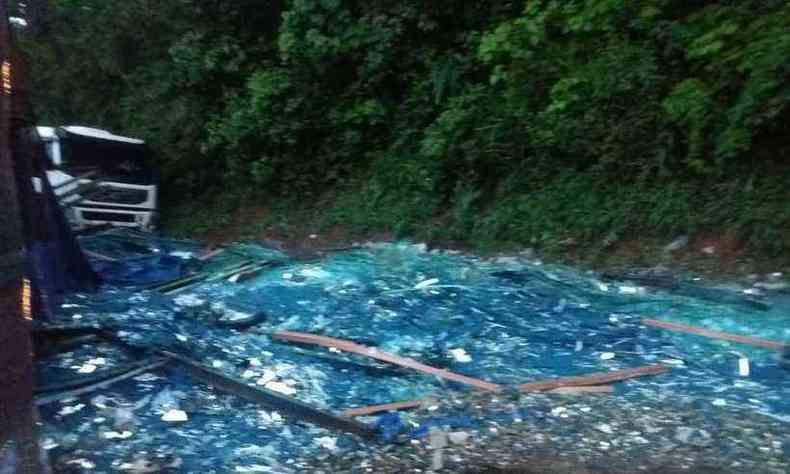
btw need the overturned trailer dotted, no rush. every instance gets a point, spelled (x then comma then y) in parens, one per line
(101, 178)
(40, 260)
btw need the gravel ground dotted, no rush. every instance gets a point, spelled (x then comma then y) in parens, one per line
(564, 434)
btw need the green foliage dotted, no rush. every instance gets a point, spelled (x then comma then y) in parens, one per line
(741, 52)
(400, 195)
(690, 104)
(507, 120)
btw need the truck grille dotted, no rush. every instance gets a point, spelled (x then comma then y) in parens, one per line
(113, 195)
(107, 216)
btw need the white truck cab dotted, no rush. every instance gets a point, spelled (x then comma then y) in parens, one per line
(100, 178)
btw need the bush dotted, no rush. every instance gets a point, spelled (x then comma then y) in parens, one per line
(487, 120)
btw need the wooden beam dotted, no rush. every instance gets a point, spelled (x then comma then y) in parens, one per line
(752, 341)
(594, 379)
(590, 384)
(374, 353)
(372, 410)
(591, 390)
(413, 404)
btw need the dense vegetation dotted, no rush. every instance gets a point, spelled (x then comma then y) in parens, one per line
(531, 122)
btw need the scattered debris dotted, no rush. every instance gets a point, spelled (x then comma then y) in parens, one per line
(281, 388)
(83, 463)
(271, 418)
(605, 428)
(631, 290)
(639, 437)
(70, 410)
(327, 442)
(181, 254)
(175, 416)
(426, 283)
(116, 435)
(744, 367)
(87, 369)
(460, 355)
(190, 301)
(458, 437)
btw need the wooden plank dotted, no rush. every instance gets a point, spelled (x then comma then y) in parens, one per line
(570, 385)
(594, 379)
(372, 410)
(591, 390)
(413, 404)
(374, 353)
(752, 341)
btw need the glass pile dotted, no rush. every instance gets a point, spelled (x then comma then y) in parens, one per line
(506, 320)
